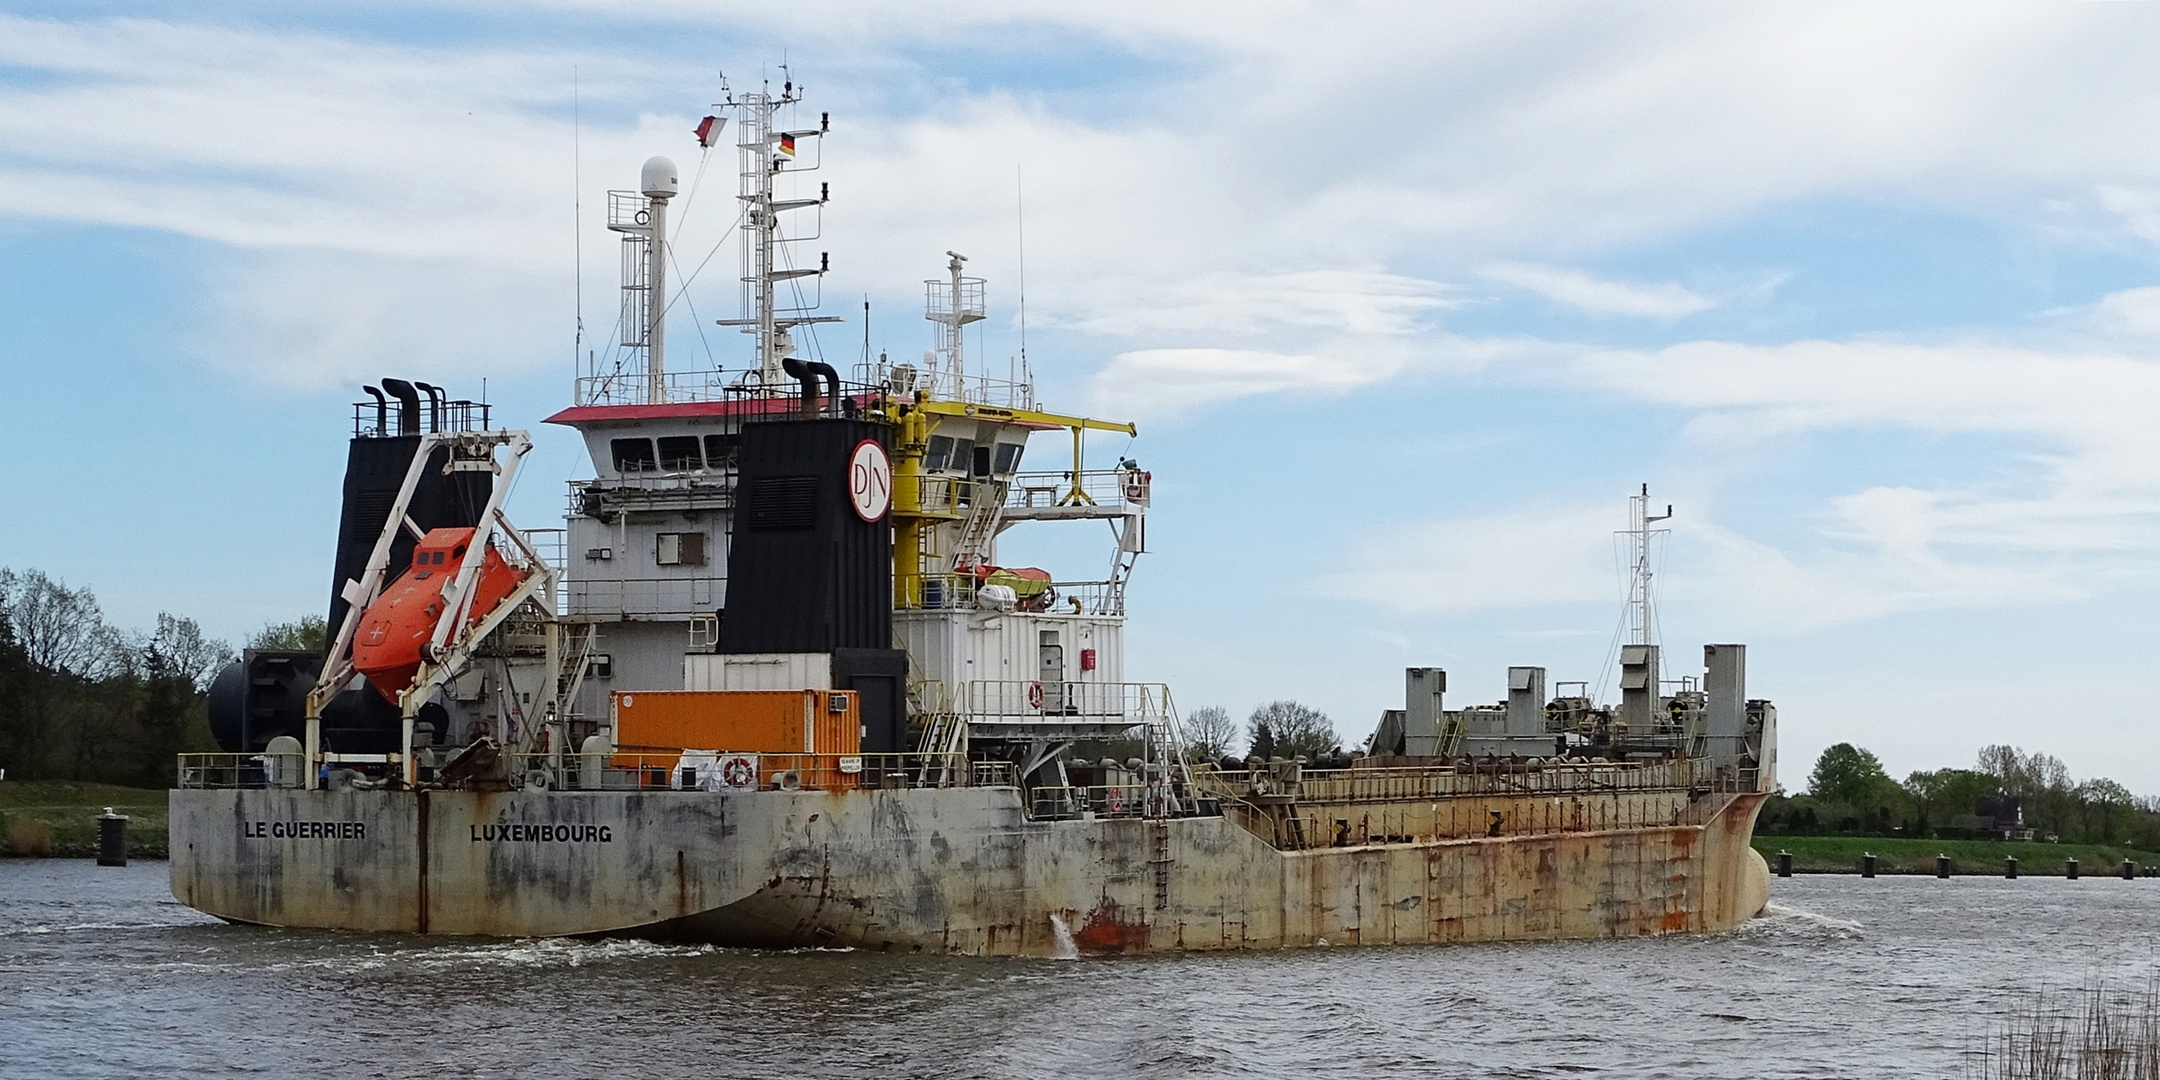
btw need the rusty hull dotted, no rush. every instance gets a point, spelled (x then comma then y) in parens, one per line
(958, 870)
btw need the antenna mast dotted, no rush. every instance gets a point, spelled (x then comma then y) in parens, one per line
(765, 152)
(953, 304)
(1642, 612)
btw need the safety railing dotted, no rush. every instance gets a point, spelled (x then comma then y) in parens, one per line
(634, 597)
(1092, 597)
(904, 380)
(1065, 700)
(741, 388)
(1104, 487)
(938, 495)
(683, 770)
(240, 771)
(711, 771)
(1357, 784)
(934, 592)
(636, 388)
(381, 419)
(1102, 800)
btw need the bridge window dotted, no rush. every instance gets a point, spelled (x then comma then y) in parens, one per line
(939, 454)
(679, 453)
(634, 455)
(720, 450)
(1008, 458)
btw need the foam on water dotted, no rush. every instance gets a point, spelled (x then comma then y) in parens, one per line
(1780, 919)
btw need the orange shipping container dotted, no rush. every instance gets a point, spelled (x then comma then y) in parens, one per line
(738, 721)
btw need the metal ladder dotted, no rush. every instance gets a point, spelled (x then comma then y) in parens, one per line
(981, 527)
(944, 737)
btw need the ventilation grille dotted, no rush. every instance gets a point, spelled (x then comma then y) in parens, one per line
(371, 511)
(783, 503)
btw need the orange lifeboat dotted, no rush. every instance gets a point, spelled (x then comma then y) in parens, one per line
(396, 627)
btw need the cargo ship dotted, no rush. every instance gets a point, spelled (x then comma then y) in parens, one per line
(774, 684)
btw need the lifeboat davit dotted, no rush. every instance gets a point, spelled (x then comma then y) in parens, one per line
(396, 627)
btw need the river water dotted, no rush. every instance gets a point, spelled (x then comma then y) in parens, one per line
(102, 974)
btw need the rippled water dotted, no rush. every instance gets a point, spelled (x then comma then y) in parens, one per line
(101, 974)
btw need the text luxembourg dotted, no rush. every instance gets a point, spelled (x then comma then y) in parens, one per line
(544, 834)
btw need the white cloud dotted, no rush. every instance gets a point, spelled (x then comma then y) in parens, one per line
(2132, 311)
(1231, 304)
(1597, 296)
(1159, 382)
(1511, 560)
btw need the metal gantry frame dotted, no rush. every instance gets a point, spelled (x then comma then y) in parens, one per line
(450, 649)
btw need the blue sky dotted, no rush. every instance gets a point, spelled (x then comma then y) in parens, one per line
(1406, 303)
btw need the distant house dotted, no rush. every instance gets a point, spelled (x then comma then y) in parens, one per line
(2003, 816)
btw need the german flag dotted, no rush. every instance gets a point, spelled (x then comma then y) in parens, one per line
(787, 144)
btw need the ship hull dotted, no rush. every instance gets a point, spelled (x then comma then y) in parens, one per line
(961, 870)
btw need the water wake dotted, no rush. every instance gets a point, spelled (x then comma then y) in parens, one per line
(1778, 920)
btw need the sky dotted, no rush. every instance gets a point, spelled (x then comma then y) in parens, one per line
(1405, 299)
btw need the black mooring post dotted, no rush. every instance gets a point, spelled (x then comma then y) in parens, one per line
(112, 838)
(1942, 866)
(1867, 864)
(2070, 869)
(2129, 869)
(2010, 866)
(1784, 864)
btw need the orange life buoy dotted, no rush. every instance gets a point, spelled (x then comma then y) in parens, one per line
(1035, 695)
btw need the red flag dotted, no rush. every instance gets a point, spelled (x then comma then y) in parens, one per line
(708, 131)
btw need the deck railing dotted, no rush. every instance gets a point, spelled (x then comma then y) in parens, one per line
(1018, 699)
(691, 770)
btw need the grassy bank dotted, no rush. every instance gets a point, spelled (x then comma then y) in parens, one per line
(55, 817)
(1841, 855)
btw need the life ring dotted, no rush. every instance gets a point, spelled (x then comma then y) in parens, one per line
(1114, 799)
(738, 772)
(1035, 695)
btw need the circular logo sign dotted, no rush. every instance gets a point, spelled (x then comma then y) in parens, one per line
(870, 480)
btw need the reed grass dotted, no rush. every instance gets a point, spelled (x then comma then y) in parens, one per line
(2089, 1034)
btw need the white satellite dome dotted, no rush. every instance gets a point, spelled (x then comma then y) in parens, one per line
(657, 179)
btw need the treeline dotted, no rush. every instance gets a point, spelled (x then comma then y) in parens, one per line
(1283, 729)
(81, 699)
(2008, 789)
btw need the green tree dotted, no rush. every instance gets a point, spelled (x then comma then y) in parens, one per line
(309, 634)
(1940, 799)
(1296, 730)
(2108, 806)
(1848, 775)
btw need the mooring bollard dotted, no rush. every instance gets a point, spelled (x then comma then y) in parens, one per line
(2070, 869)
(2129, 870)
(1942, 866)
(2010, 868)
(112, 838)
(1784, 864)
(1867, 864)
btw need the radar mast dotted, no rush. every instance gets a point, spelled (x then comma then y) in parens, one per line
(766, 151)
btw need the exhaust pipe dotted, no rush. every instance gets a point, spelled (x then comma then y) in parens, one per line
(832, 381)
(408, 405)
(801, 373)
(382, 411)
(436, 396)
